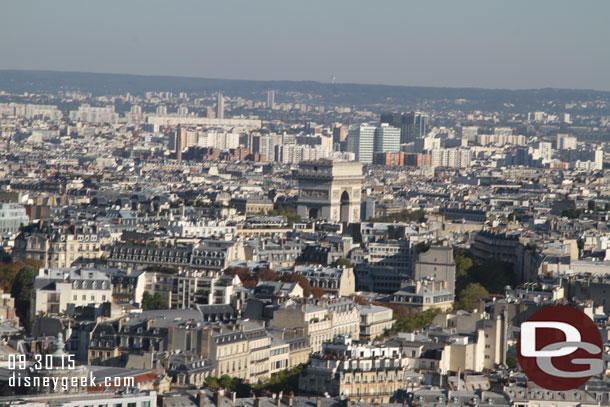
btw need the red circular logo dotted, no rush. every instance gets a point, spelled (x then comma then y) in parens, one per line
(560, 348)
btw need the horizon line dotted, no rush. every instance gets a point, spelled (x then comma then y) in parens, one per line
(301, 81)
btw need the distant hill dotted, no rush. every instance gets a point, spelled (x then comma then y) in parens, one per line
(15, 81)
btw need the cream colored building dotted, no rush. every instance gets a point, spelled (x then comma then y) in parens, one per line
(245, 350)
(228, 350)
(375, 320)
(314, 319)
(60, 248)
(487, 351)
(279, 356)
(370, 373)
(259, 343)
(321, 322)
(296, 342)
(423, 295)
(55, 288)
(337, 281)
(436, 263)
(345, 317)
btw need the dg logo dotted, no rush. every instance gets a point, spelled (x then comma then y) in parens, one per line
(560, 348)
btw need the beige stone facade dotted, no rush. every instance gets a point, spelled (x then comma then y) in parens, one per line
(330, 190)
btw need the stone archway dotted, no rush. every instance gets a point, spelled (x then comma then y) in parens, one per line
(314, 213)
(344, 207)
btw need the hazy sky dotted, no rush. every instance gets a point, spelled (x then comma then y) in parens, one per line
(472, 43)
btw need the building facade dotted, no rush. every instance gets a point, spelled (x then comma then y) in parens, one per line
(330, 190)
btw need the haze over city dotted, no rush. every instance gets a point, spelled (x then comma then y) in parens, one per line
(472, 43)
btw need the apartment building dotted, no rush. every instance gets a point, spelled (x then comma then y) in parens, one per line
(313, 319)
(422, 295)
(333, 280)
(389, 264)
(322, 321)
(56, 288)
(375, 320)
(370, 373)
(63, 246)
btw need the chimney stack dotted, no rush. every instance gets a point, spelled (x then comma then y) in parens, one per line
(201, 399)
(218, 396)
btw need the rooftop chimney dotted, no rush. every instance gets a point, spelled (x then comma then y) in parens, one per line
(201, 399)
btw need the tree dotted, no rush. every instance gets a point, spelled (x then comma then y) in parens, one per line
(402, 216)
(571, 213)
(211, 382)
(511, 361)
(266, 274)
(514, 215)
(463, 264)
(286, 381)
(152, 302)
(247, 278)
(21, 291)
(317, 292)
(297, 278)
(291, 215)
(343, 262)
(415, 321)
(591, 205)
(468, 297)
(226, 382)
(422, 247)
(492, 274)
(9, 272)
(360, 300)
(162, 269)
(230, 384)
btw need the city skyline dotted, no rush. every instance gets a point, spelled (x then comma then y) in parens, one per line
(296, 204)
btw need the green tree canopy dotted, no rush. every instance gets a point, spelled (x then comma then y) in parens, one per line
(470, 295)
(343, 262)
(151, 302)
(21, 291)
(412, 322)
(402, 216)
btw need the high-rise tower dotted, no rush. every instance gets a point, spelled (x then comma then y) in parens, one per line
(220, 106)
